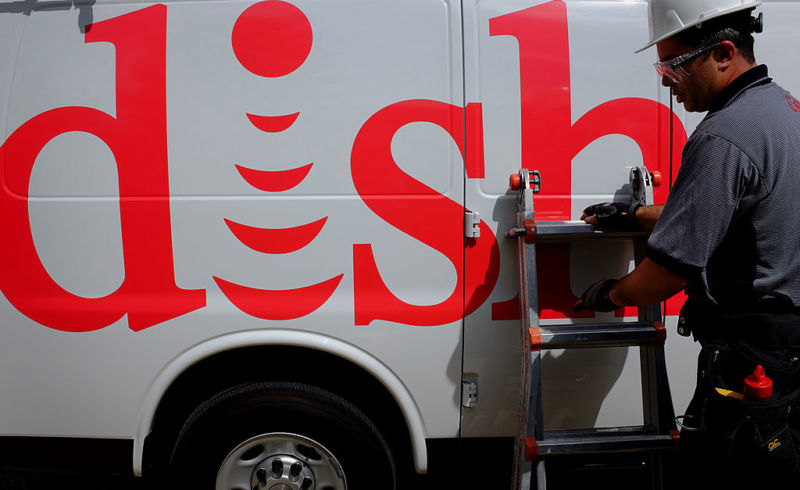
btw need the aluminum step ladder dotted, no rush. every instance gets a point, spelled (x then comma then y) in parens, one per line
(658, 433)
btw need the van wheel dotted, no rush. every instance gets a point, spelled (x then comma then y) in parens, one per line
(283, 435)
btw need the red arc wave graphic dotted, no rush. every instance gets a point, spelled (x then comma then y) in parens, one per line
(274, 180)
(282, 304)
(276, 240)
(273, 124)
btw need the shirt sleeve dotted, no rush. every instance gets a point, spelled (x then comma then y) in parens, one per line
(713, 177)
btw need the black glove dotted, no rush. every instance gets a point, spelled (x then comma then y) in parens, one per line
(614, 215)
(596, 297)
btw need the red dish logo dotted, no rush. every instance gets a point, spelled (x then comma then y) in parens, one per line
(272, 39)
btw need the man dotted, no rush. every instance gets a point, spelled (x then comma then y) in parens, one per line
(729, 235)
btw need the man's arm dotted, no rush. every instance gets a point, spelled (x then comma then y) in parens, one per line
(649, 283)
(648, 215)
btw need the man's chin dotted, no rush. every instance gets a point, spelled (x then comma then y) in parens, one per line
(689, 107)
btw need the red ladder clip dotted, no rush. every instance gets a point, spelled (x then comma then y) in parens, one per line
(676, 441)
(536, 338)
(530, 231)
(531, 448)
(661, 332)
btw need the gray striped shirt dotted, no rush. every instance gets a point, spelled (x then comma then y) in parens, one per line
(731, 224)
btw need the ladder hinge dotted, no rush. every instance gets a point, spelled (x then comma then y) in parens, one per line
(469, 393)
(472, 224)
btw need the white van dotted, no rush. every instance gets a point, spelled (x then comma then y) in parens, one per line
(234, 244)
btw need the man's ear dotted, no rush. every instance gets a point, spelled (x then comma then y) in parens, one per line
(724, 54)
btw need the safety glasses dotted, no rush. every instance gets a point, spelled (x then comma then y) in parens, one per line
(672, 69)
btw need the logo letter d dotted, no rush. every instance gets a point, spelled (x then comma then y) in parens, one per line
(137, 138)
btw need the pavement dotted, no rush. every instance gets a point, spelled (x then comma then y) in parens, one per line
(13, 480)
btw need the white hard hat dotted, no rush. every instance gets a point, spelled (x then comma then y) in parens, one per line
(669, 17)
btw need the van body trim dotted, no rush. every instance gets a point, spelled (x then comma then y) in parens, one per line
(159, 386)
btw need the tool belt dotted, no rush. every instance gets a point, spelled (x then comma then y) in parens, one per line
(770, 322)
(745, 431)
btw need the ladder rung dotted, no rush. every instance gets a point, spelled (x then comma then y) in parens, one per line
(602, 440)
(597, 335)
(571, 230)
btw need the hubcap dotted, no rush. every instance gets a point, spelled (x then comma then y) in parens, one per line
(282, 472)
(280, 461)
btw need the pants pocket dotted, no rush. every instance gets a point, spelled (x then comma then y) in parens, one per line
(776, 456)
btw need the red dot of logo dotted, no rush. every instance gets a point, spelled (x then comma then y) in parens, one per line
(272, 38)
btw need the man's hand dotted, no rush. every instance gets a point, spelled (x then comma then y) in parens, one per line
(611, 215)
(596, 297)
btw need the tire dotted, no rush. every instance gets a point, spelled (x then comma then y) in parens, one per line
(262, 435)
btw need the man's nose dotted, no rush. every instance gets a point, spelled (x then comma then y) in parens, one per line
(667, 81)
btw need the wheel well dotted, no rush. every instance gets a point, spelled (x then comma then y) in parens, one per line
(273, 363)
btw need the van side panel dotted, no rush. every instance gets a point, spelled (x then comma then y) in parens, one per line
(219, 191)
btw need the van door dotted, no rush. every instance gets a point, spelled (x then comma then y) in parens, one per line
(561, 91)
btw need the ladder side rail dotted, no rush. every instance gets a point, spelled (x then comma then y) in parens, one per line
(523, 467)
(650, 387)
(656, 476)
(667, 415)
(648, 358)
(534, 425)
(654, 315)
(530, 360)
(657, 400)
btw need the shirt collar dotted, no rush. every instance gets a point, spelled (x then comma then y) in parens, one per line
(751, 78)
